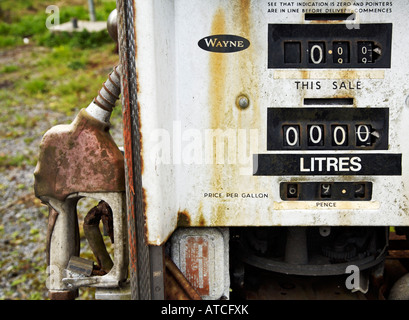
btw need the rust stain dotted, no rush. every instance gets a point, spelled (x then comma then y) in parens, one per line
(127, 131)
(184, 219)
(244, 16)
(218, 71)
(220, 215)
(326, 21)
(305, 74)
(219, 108)
(329, 74)
(128, 145)
(231, 75)
(202, 221)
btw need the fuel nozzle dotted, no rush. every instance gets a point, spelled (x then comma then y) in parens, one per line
(81, 160)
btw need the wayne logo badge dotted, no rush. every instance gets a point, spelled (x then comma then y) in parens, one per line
(224, 43)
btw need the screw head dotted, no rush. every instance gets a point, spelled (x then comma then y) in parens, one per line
(242, 101)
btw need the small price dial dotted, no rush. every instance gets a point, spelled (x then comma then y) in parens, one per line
(329, 46)
(336, 191)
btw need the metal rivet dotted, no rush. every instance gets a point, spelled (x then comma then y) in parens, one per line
(242, 101)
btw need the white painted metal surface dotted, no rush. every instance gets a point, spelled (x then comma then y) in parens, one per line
(188, 95)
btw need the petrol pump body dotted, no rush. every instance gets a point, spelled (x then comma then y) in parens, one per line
(278, 124)
(262, 139)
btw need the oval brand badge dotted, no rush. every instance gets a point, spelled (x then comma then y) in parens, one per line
(224, 43)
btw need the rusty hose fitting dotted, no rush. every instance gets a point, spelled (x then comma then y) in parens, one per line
(102, 105)
(110, 91)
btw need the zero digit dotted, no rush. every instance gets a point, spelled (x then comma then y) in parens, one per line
(339, 135)
(359, 133)
(365, 52)
(315, 135)
(291, 136)
(363, 135)
(316, 52)
(320, 56)
(341, 52)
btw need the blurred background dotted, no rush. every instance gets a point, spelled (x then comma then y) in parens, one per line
(45, 79)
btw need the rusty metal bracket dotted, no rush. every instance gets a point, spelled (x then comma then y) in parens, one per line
(101, 212)
(177, 287)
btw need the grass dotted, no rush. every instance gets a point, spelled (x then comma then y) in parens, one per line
(69, 68)
(27, 19)
(9, 69)
(14, 161)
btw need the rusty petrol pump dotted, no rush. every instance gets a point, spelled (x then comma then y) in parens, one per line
(264, 141)
(298, 105)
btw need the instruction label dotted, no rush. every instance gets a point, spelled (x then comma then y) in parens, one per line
(297, 7)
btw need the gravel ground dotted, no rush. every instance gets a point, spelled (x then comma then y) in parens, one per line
(23, 219)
